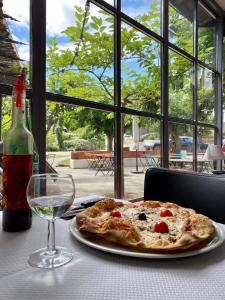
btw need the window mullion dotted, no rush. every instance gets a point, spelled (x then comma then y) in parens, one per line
(164, 85)
(118, 178)
(195, 86)
(38, 70)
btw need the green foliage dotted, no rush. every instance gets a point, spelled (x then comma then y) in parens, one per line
(81, 144)
(6, 114)
(89, 75)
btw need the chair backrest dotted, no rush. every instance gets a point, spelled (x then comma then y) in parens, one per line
(203, 192)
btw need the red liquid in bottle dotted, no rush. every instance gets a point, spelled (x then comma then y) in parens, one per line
(16, 212)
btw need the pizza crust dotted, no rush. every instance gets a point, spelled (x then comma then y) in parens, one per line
(194, 229)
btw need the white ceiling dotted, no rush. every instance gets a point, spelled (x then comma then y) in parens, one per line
(221, 3)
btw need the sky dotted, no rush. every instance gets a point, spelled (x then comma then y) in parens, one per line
(60, 15)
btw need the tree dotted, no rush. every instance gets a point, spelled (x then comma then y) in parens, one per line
(86, 72)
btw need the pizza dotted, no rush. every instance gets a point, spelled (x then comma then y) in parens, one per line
(151, 226)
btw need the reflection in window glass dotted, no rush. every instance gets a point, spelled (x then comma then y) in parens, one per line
(180, 86)
(205, 137)
(148, 12)
(140, 71)
(206, 36)
(181, 146)
(206, 95)
(80, 57)
(141, 150)
(111, 2)
(6, 115)
(80, 142)
(14, 47)
(181, 18)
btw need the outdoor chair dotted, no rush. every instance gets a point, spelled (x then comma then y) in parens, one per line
(203, 192)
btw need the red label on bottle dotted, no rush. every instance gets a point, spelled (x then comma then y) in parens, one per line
(17, 170)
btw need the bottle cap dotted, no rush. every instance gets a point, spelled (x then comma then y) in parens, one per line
(19, 88)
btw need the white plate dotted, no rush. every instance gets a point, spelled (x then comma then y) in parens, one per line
(115, 249)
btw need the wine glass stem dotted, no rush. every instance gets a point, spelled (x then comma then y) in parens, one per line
(51, 236)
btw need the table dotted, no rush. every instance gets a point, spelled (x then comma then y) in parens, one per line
(104, 164)
(149, 161)
(203, 165)
(96, 275)
(180, 162)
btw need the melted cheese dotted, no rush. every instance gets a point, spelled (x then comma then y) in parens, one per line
(145, 228)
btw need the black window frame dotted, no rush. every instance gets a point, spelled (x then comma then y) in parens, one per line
(39, 95)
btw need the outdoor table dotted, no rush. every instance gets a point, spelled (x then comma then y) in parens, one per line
(205, 165)
(180, 162)
(104, 164)
(97, 275)
(149, 160)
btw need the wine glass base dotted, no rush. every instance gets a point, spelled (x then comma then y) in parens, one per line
(43, 258)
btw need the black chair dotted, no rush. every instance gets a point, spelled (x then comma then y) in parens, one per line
(203, 192)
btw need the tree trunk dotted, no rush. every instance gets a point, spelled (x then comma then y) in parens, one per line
(59, 136)
(110, 142)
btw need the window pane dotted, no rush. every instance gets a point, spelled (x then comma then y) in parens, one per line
(148, 12)
(140, 71)
(206, 95)
(80, 142)
(206, 36)
(181, 146)
(181, 18)
(6, 115)
(80, 54)
(180, 86)
(15, 39)
(111, 2)
(206, 136)
(141, 142)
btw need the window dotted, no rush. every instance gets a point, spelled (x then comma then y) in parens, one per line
(125, 85)
(181, 24)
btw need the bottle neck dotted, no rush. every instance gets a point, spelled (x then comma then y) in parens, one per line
(28, 116)
(18, 113)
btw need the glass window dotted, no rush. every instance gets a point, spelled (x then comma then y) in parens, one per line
(80, 142)
(206, 95)
(181, 146)
(80, 57)
(206, 35)
(6, 115)
(205, 137)
(82, 65)
(181, 19)
(141, 150)
(111, 2)
(140, 71)
(148, 12)
(180, 86)
(15, 40)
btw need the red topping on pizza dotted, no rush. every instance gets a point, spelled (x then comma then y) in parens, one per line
(115, 214)
(166, 213)
(161, 227)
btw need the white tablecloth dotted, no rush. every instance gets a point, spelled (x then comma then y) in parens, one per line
(94, 274)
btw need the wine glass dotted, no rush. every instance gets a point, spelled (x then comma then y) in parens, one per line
(50, 196)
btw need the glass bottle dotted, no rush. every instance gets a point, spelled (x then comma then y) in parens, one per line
(17, 165)
(35, 163)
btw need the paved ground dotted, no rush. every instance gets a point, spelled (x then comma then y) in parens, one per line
(88, 184)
